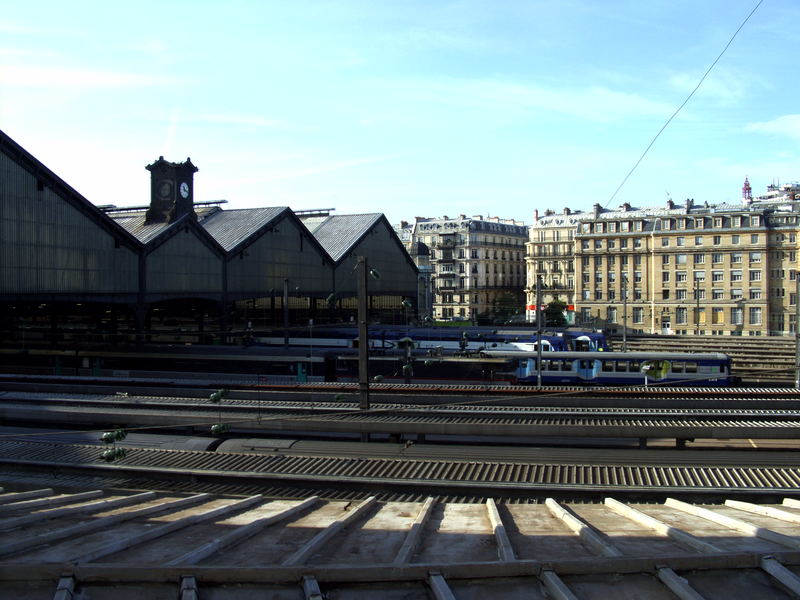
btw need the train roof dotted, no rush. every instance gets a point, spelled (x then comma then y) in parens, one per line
(612, 355)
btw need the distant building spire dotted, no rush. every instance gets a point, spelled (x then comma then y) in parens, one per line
(747, 191)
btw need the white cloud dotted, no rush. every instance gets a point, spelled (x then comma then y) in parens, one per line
(54, 77)
(322, 168)
(786, 125)
(723, 88)
(248, 120)
(598, 104)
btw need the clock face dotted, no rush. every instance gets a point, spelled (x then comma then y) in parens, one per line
(165, 189)
(185, 190)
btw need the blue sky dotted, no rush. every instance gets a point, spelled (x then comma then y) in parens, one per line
(408, 108)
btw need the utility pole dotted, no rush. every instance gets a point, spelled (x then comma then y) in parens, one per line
(285, 313)
(697, 306)
(539, 319)
(363, 337)
(624, 312)
(797, 330)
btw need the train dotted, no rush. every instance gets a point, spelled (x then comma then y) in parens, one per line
(619, 368)
(439, 340)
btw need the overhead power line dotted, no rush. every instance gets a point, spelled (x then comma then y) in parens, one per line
(689, 97)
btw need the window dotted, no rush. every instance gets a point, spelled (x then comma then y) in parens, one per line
(623, 243)
(755, 221)
(637, 242)
(598, 244)
(638, 314)
(665, 294)
(736, 315)
(612, 227)
(624, 261)
(735, 238)
(680, 315)
(755, 275)
(612, 294)
(755, 293)
(637, 277)
(664, 242)
(612, 314)
(611, 244)
(699, 275)
(585, 278)
(637, 260)
(753, 238)
(736, 257)
(736, 293)
(736, 275)
(755, 315)
(698, 240)
(584, 244)
(736, 222)
(680, 294)
(717, 276)
(755, 257)
(717, 315)
(717, 240)
(665, 259)
(716, 257)
(680, 241)
(699, 259)
(680, 276)
(717, 223)
(680, 259)
(637, 294)
(598, 294)
(718, 294)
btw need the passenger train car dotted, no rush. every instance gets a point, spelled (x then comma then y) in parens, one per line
(620, 368)
(447, 340)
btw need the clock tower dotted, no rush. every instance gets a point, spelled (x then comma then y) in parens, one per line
(171, 191)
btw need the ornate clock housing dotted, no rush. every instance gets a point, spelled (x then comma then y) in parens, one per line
(171, 191)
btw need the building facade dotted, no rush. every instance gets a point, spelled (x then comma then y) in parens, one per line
(476, 266)
(726, 269)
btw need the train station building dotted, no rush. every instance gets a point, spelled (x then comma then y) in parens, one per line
(69, 265)
(688, 268)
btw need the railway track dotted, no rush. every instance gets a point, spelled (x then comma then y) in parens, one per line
(427, 392)
(130, 412)
(404, 477)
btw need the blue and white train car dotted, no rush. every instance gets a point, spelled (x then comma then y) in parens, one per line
(621, 368)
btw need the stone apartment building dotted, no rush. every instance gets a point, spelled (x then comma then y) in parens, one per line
(473, 264)
(725, 269)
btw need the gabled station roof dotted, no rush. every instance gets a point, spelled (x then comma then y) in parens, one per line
(341, 233)
(233, 227)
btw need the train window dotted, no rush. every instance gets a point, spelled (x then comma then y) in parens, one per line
(691, 367)
(677, 367)
(566, 365)
(635, 366)
(608, 366)
(622, 366)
